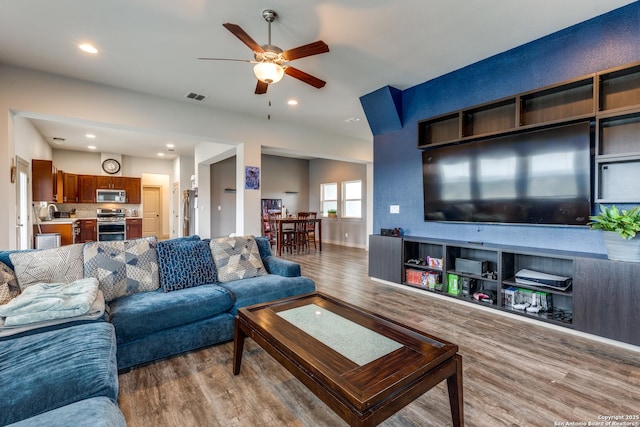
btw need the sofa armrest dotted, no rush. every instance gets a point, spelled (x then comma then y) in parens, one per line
(281, 267)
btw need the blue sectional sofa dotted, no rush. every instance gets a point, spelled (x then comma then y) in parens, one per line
(161, 299)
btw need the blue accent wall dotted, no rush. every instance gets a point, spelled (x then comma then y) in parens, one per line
(604, 42)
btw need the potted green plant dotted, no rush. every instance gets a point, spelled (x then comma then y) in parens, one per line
(332, 213)
(620, 229)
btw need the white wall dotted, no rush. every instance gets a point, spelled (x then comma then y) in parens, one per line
(31, 144)
(35, 94)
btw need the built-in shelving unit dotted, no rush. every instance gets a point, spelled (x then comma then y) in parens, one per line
(500, 268)
(602, 298)
(609, 99)
(617, 142)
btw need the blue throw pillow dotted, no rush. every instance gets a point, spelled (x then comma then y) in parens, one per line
(185, 264)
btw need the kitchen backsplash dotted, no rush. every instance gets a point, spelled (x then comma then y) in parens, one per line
(88, 210)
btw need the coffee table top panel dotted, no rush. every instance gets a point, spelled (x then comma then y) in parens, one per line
(415, 354)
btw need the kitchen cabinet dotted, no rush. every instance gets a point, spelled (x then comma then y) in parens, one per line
(86, 188)
(104, 182)
(69, 188)
(133, 187)
(65, 230)
(88, 231)
(42, 180)
(134, 228)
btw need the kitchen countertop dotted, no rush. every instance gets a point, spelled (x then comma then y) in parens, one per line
(58, 221)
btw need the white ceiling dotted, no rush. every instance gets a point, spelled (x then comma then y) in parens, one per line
(151, 46)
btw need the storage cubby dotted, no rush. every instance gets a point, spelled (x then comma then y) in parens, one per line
(561, 300)
(569, 100)
(488, 119)
(439, 130)
(620, 88)
(618, 136)
(618, 181)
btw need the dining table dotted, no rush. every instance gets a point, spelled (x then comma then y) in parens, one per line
(293, 221)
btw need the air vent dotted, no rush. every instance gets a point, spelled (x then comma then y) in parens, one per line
(196, 96)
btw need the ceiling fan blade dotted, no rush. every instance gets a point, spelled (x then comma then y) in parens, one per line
(243, 36)
(227, 59)
(307, 50)
(307, 78)
(261, 88)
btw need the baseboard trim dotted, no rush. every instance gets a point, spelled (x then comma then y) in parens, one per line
(592, 337)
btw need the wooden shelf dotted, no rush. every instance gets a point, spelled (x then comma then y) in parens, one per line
(560, 102)
(439, 130)
(619, 88)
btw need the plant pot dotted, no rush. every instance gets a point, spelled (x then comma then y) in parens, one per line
(332, 215)
(620, 249)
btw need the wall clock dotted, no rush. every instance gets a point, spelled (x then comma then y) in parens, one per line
(111, 166)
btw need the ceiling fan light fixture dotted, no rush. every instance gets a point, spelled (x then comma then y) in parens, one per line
(268, 72)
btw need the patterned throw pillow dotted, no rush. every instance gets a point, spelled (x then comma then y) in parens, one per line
(236, 258)
(123, 267)
(185, 264)
(57, 265)
(8, 284)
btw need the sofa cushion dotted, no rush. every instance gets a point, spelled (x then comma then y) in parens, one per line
(264, 246)
(185, 264)
(143, 314)
(236, 258)
(123, 267)
(267, 288)
(96, 412)
(8, 284)
(56, 265)
(48, 370)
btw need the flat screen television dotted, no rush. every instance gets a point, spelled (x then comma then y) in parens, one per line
(539, 177)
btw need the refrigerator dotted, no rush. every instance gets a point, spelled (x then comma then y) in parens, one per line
(189, 212)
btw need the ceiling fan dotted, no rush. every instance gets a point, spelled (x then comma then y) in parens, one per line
(271, 61)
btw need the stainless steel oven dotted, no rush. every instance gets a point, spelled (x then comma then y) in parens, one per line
(112, 224)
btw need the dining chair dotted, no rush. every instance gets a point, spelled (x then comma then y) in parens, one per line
(301, 235)
(311, 229)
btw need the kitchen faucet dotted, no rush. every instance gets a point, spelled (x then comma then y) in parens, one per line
(55, 209)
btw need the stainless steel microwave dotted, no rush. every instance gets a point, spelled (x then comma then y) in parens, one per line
(111, 196)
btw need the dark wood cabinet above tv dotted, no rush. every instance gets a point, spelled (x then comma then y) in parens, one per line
(609, 100)
(605, 92)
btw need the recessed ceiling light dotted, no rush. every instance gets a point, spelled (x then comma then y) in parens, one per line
(86, 47)
(91, 147)
(90, 135)
(170, 145)
(160, 154)
(292, 102)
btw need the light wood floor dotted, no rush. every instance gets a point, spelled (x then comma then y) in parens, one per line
(515, 373)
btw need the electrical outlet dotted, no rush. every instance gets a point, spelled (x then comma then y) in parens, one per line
(394, 209)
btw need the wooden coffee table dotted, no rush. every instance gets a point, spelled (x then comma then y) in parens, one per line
(365, 367)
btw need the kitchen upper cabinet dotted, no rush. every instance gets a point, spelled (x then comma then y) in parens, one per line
(86, 188)
(69, 188)
(133, 187)
(43, 179)
(104, 182)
